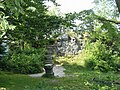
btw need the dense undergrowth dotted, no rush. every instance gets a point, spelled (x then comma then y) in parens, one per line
(24, 61)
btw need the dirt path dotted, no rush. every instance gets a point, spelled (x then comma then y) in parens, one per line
(57, 69)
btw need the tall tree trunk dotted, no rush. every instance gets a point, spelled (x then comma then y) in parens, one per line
(118, 4)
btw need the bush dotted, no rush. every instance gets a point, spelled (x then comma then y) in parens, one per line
(99, 57)
(90, 64)
(24, 61)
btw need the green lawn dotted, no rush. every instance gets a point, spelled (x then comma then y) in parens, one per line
(78, 79)
(23, 82)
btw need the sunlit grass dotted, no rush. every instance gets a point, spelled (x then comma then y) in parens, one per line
(78, 59)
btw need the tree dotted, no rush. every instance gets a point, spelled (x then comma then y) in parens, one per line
(118, 4)
(104, 43)
(107, 10)
(28, 28)
(33, 24)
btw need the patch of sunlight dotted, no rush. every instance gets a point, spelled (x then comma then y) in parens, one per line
(2, 88)
(72, 59)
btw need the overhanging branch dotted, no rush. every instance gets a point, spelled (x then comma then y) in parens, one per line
(113, 21)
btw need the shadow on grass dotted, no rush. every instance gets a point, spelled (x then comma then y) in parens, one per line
(94, 79)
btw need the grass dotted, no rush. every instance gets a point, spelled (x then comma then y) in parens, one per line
(78, 78)
(84, 80)
(23, 82)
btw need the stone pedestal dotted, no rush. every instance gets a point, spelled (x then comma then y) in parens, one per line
(49, 69)
(48, 63)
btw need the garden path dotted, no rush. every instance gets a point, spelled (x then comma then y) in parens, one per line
(57, 69)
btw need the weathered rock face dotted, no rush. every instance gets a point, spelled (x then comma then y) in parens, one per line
(68, 45)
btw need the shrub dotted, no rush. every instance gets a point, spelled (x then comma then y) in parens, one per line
(24, 61)
(100, 57)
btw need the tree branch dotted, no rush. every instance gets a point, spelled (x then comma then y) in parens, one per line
(113, 21)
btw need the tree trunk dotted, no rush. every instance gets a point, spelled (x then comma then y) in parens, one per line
(118, 4)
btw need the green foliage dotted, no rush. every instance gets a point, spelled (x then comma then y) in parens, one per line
(106, 9)
(25, 61)
(98, 57)
(26, 25)
(103, 46)
(4, 24)
(24, 21)
(103, 52)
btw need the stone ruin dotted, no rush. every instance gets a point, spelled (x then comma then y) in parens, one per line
(69, 45)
